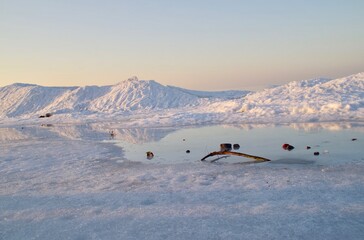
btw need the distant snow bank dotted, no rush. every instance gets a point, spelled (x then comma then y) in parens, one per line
(309, 100)
(142, 102)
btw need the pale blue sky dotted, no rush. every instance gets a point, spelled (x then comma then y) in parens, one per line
(200, 44)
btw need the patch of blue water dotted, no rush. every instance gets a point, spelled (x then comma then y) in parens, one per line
(336, 143)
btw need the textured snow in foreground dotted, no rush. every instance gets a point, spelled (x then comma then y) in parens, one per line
(65, 182)
(148, 103)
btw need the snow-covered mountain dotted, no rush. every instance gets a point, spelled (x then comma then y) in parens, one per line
(19, 99)
(309, 100)
(26, 100)
(148, 103)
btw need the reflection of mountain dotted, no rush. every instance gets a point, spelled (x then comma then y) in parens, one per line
(101, 131)
(307, 127)
(251, 126)
(131, 135)
(331, 126)
(11, 134)
(90, 132)
(83, 132)
(142, 135)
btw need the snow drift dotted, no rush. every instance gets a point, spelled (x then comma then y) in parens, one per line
(309, 100)
(148, 103)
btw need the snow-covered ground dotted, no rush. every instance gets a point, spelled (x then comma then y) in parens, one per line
(63, 177)
(72, 182)
(148, 103)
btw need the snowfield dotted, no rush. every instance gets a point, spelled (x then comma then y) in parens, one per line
(60, 182)
(148, 103)
(310, 100)
(65, 177)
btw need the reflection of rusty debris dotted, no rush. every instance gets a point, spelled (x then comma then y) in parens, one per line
(225, 147)
(288, 147)
(47, 125)
(236, 146)
(112, 134)
(150, 155)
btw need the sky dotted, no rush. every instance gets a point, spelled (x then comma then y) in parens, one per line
(195, 44)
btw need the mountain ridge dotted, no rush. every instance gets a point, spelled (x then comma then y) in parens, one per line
(309, 97)
(147, 102)
(26, 100)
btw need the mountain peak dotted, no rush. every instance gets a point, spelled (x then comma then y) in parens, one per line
(133, 78)
(23, 85)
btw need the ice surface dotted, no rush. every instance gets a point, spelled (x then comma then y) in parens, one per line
(75, 182)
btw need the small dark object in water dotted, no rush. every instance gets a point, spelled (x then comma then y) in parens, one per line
(354, 139)
(316, 153)
(287, 147)
(225, 147)
(308, 147)
(184, 140)
(188, 151)
(236, 146)
(41, 116)
(150, 155)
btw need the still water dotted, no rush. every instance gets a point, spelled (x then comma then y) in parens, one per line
(335, 143)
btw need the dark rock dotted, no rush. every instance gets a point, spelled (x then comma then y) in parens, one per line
(225, 147)
(287, 147)
(150, 155)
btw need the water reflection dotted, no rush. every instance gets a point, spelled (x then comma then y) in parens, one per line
(312, 127)
(102, 131)
(11, 134)
(331, 140)
(141, 135)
